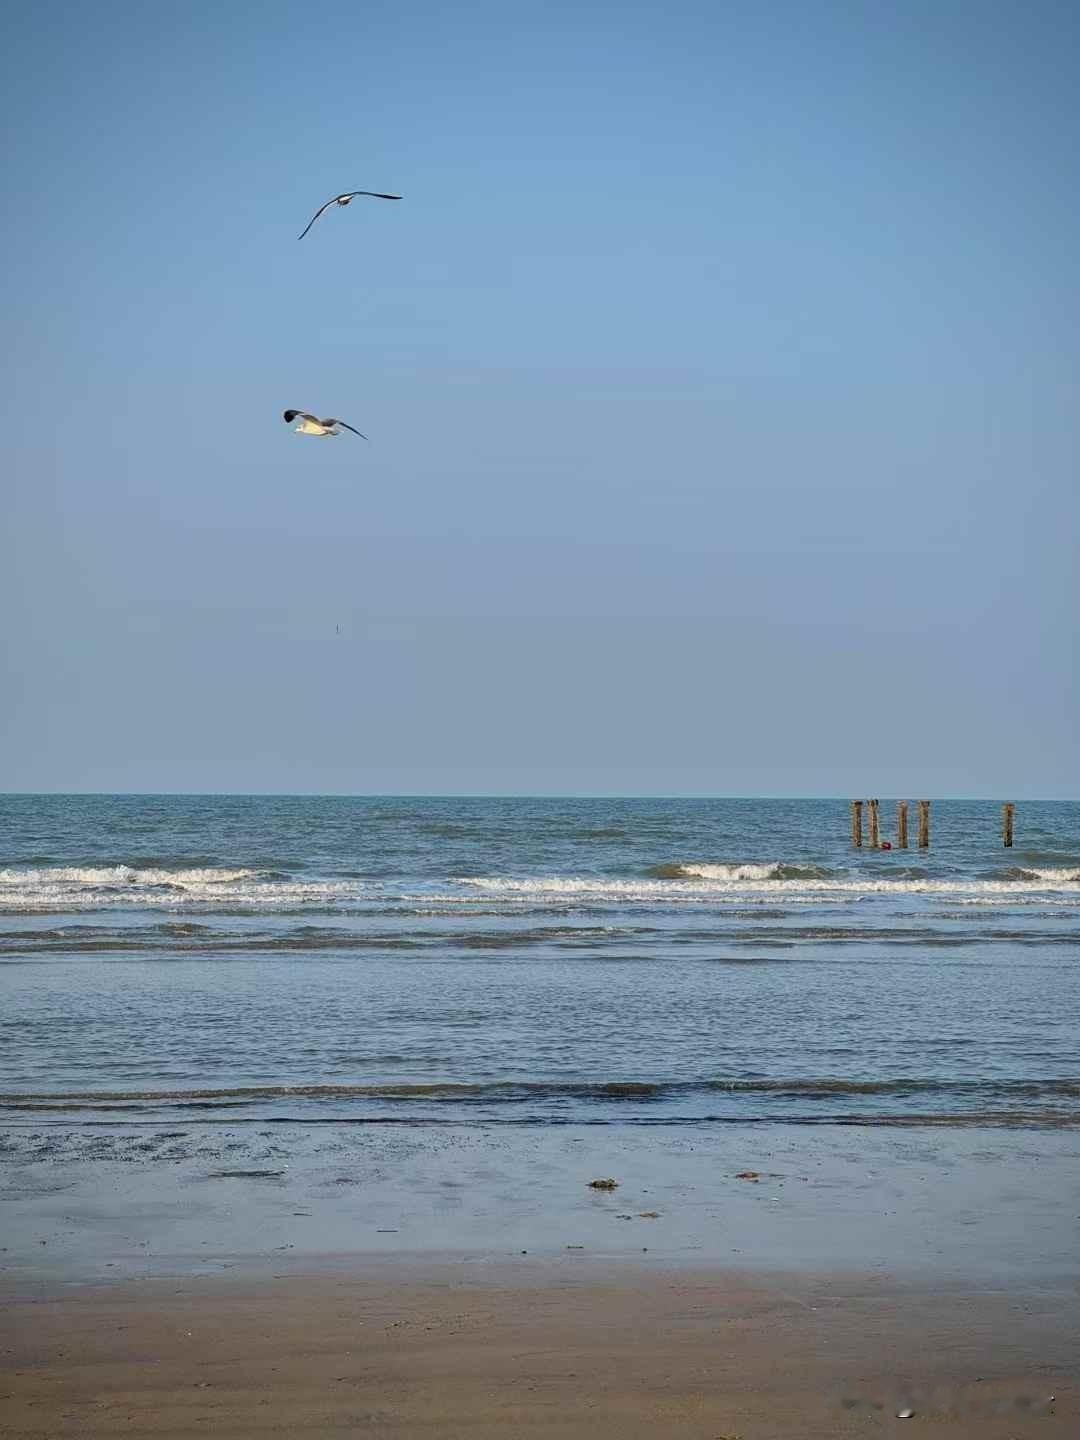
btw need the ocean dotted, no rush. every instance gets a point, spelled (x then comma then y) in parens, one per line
(263, 961)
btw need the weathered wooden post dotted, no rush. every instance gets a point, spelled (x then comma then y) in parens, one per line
(856, 824)
(901, 825)
(1007, 814)
(924, 823)
(875, 837)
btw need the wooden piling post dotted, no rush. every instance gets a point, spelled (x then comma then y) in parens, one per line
(856, 824)
(1007, 814)
(924, 823)
(901, 825)
(875, 836)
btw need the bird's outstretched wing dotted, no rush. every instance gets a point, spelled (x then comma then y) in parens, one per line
(332, 201)
(342, 423)
(291, 415)
(345, 195)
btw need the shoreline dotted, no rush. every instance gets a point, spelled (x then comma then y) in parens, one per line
(985, 1206)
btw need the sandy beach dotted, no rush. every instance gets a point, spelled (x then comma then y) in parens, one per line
(483, 1288)
(560, 1347)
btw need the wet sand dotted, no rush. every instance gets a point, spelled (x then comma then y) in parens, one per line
(560, 1346)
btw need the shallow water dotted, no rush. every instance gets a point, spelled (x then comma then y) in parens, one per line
(678, 963)
(946, 1205)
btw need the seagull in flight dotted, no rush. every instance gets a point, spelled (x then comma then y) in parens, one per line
(344, 200)
(312, 425)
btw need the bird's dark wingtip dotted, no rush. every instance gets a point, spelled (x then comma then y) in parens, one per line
(290, 416)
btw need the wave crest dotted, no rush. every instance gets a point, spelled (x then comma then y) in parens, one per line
(75, 888)
(1055, 874)
(62, 889)
(95, 875)
(737, 870)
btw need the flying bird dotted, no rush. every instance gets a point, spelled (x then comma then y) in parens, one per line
(344, 200)
(312, 425)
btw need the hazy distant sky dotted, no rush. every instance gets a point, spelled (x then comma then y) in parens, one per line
(721, 367)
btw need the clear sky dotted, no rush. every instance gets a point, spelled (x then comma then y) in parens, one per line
(720, 366)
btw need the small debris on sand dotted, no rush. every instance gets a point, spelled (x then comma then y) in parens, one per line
(905, 1414)
(603, 1184)
(748, 1175)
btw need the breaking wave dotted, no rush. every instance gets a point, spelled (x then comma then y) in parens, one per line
(124, 875)
(739, 870)
(60, 889)
(747, 881)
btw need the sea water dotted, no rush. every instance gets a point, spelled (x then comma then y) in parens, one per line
(675, 963)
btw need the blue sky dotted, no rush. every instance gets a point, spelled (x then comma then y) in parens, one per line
(720, 366)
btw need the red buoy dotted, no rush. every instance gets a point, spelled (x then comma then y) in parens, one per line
(886, 844)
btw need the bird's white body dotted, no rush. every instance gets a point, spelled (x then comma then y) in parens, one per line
(311, 424)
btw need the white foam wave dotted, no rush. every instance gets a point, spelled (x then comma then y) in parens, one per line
(716, 887)
(122, 875)
(220, 888)
(744, 871)
(98, 887)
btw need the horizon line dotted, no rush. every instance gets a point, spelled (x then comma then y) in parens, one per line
(498, 795)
